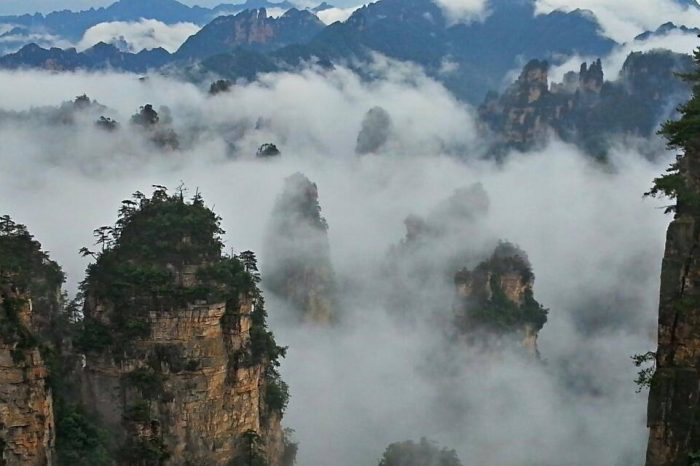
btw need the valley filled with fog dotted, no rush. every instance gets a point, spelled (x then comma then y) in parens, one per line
(416, 180)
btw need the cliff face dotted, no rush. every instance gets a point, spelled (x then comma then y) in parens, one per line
(179, 365)
(29, 291)
(674, 398)
(496, 298)
(298, 266)
(584, 108)
(27, 432)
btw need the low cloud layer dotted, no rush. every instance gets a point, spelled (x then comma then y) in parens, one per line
(137, 36)
(464, 10)
(594, 243)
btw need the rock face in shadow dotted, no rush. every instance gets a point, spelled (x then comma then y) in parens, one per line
(674, 397)
(178, 363)
(298, 266)
(30, 285)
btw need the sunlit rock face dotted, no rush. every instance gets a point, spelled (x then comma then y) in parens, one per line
(179, 365)
(497, 299)
(297, 263)
(30, 286)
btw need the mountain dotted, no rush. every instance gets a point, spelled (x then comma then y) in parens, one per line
(71, 25)
(665, 29)
(251, 29)
(585, 109)
(99, 57)
(470, 59)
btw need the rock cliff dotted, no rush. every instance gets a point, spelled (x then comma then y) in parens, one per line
(29, 298)
(674, 397)
(298, 266)
(178, 363)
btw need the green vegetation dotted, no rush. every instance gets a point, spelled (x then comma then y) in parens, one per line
(499, 313)
(24, 263)
(251, 451)
(144, 452)
(695, 458)
(148, 381)
(424, 453)
(79, 441)
(141, 260)
(647, 368)
(25, 270)
(682, 135)
(503, 315)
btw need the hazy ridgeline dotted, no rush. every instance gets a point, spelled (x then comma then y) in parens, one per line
(381, 374)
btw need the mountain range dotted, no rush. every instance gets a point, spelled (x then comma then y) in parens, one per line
(71, 25)
(469, 58)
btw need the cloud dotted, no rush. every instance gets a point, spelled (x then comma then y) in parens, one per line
(334, 14)
(137, 36)
(464, 10)
(622, 20)
(14, 38)
(594, 243)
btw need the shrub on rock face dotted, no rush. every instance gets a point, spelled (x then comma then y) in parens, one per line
(423, 453)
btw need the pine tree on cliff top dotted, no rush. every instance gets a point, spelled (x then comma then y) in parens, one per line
(683, 135)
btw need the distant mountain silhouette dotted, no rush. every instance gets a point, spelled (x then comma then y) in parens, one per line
(72, 25)
(468, 58)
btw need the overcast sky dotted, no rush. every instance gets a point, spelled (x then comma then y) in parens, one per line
(12, 7)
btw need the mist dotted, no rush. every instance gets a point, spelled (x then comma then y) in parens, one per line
(594, 243)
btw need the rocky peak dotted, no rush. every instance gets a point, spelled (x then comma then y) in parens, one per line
(591, 79)
(298, 263)
(585, 109)
(497, 298)
(533, 81)
(178, 361)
